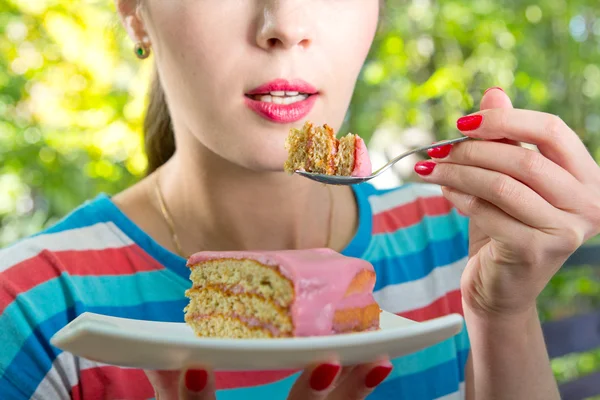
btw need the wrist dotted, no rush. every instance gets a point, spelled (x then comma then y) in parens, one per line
(483, 321)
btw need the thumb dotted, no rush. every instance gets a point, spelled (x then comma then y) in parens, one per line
(495, 98)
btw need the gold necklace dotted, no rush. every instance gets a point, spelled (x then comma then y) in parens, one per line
(169, 220)
(166, 215)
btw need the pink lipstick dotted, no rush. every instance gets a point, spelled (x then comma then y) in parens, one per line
(282, 101)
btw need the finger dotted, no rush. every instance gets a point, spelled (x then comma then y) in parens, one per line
(197, 384)
(503, 191)
(361, 381)
(165, 384)
(316, 382)
(492, 221)
(346, 371)
(549, 133)
(547, 179)
(495, 98)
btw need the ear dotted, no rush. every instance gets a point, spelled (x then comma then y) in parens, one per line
(131, 18)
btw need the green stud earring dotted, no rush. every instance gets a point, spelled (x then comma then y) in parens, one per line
(141, 51)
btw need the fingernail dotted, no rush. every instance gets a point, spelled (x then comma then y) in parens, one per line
(195, 380)
(440, 152)
(494, 88)
(323, 376)
(469, 123)
(424, 168)
(377, 375)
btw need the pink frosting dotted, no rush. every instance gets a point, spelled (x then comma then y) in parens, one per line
(362, 162)
(321, 278)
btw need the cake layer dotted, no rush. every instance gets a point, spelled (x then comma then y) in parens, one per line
(356, 319)
(250, 307)
(345, 155)
(242, 275)
(226, 327)
(322, 149)
(317, 150)
(321, 279)
(362, 283)
(297, 144)
(237, 326)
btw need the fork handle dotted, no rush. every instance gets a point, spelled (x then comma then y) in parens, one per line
(418, 149)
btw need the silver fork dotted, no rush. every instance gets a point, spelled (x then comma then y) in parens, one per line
(351, 180)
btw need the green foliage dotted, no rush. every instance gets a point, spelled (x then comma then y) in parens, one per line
(72, 98)
(434, 59)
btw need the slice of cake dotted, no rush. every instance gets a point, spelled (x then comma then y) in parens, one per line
(280, 294)
(316, 149)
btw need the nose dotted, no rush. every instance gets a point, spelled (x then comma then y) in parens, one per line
(284, 24)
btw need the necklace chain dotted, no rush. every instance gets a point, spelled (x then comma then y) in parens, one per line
(166, 215)
(169, 220)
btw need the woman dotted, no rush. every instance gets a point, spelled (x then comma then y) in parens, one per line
(222, 66)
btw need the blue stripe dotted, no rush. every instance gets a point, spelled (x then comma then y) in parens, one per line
(36, 355)
(362, 239)
(437, 381)
(12, 391)
(461, 358)
(413, 266)
(414, 238)
(111, 292)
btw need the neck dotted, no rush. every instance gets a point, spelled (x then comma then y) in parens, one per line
(233, 208)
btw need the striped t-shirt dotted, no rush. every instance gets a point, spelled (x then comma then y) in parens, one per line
(98, 260)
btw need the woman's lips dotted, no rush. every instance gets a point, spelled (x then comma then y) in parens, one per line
(276, 85)
(261, 100)
(282, 113)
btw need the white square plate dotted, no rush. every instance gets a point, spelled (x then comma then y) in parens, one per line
(169, 346)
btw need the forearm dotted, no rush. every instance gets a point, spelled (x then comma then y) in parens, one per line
(509, 359)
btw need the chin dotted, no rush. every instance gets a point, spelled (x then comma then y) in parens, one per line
(260, 161)
(267, 165)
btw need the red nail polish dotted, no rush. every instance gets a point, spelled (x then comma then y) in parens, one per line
(469, 123)
(424, 167)
(377, 375)
(322, 377)
(196, 380)
(440, 152)
(494, 88)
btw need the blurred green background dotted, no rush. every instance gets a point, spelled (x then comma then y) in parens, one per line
(72, 100)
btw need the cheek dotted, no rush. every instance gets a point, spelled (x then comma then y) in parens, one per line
(196, 60)
(354, 32)
(348, 48)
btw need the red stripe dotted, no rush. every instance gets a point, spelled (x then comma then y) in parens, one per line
(410, 214)
(108, 382)
(233, 380)
(450, 303)
(49, 265)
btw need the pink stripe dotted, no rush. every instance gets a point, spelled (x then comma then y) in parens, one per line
(410, 214)
(48, 265)
(450, 303)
